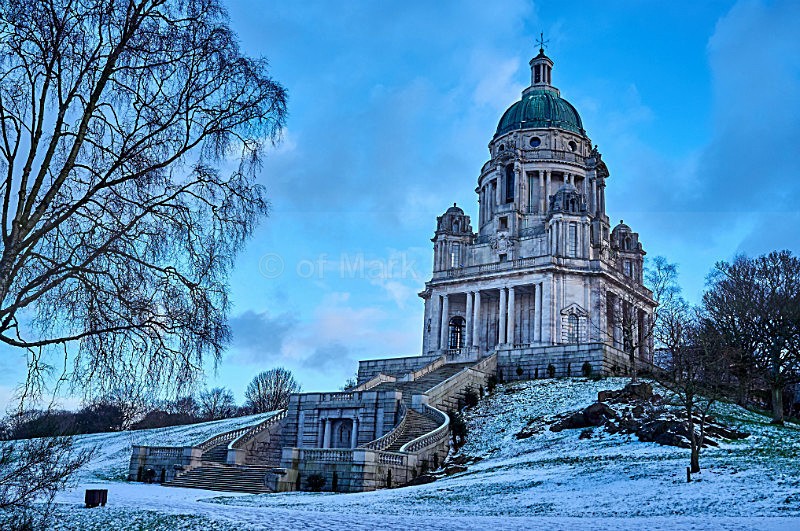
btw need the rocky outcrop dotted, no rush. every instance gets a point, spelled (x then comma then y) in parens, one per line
(636, 410)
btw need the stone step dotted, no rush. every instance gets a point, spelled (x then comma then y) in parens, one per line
(212, 476)
(217, 454)
(416, 425)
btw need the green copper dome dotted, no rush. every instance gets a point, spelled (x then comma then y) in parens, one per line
(540, 108)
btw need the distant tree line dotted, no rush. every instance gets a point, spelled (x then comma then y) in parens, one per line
(268, 391)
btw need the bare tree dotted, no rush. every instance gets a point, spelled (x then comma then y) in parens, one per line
(626, 324)
(692, 366)
(216, 403)
(35, 469)
(754, 303)
(129, 135)
(130, 132)
(270, 390)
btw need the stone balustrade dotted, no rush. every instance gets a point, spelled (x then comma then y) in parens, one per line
(387, 440)
(433, 438)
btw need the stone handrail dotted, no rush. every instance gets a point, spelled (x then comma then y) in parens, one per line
(164, 451)
(389, 438)
(392, 458)
(220, 438)
(442, 387)
(434, 437)
(429, 368)
(374, 382)
(539, 154)
(240, 441)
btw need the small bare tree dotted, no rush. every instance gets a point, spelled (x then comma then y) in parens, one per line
(216, 403)
(35, 470)
(270, 390)
(627, 325)
(692, 366)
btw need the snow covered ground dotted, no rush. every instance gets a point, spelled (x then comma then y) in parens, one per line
(551, 480)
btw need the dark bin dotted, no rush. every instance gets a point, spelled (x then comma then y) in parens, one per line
(95, 497)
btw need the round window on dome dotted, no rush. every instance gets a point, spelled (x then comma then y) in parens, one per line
(573, 146)
(502, 147)
(536, 141)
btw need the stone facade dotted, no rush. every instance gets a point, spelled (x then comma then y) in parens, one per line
(544, 275)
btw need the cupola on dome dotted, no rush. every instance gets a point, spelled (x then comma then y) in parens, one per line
(541, 105)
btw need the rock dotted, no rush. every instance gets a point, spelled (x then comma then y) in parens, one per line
(603, 396)
(639, 390)
(454, 469)
(638, 411)
(595, 415)
(665, 432)
(527, 432)
(423, 479)
(463, 460)
(586, 434)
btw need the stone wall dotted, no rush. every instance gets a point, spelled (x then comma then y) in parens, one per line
(165, 462)
(355, 470)
(449, 394)
(264, 449)
(566, 360)
(376, 413)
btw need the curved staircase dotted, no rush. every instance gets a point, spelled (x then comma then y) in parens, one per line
(415, 426)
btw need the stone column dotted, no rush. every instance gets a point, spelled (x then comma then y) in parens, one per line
(541, 192)
(354, 434)
(444, 324)
(301, 424)
(326, 437)
(499, 189)
(476, 319)
(547, 190)
(602, 197)
(468, 321)
(503, 308)
(537, 311)
(511, 315)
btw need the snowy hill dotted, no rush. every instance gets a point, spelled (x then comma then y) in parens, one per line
(553, 479)
(112, 451)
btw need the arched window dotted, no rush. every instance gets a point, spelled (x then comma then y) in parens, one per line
(456, 332)
(510, 184)
(572, 244)
(572, 328)
(455, 255)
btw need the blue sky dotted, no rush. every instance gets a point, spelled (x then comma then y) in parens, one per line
(694, 105)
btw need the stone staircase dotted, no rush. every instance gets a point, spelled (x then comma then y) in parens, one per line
(219, 477)
(217, 454)
(422, 384)
(416, 425)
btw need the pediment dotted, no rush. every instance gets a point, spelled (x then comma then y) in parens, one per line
(574, 309)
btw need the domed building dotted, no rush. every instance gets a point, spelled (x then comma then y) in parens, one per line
(544, 282)
(543, 289)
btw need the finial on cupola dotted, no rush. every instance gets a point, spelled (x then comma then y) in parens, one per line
(541, 66)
